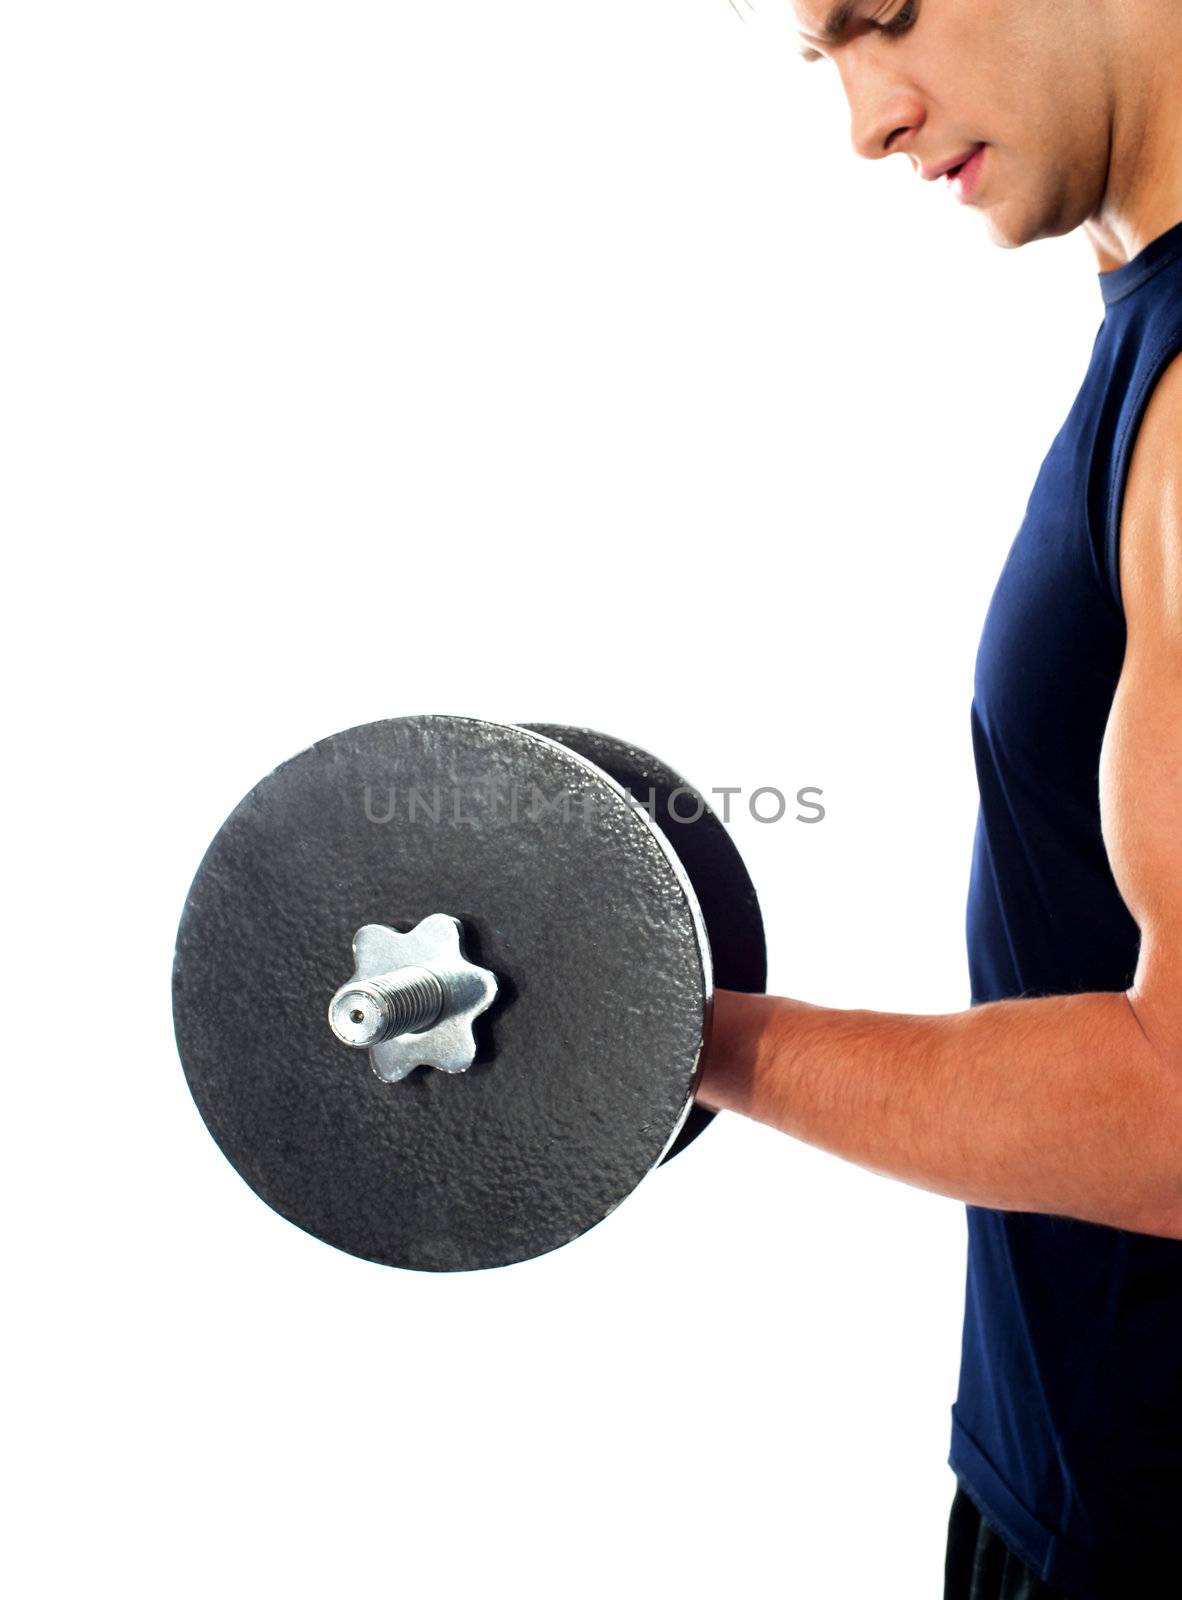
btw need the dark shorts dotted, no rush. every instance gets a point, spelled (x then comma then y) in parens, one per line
(980, 1567)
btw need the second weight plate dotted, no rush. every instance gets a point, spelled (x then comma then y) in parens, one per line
(720, 881)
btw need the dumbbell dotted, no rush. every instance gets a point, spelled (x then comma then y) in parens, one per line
(442, 985)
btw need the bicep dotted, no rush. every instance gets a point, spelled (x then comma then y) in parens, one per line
(1141, 759)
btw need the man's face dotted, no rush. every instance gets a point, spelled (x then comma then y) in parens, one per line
(1018, 87)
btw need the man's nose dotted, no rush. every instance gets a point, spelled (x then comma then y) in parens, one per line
(883, 114)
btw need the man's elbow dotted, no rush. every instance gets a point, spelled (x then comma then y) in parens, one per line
(1161, 1211)
(1165, 1224)
(1161, 1029)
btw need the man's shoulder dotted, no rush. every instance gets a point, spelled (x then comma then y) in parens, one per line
(1151, 510)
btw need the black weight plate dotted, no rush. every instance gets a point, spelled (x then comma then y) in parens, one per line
(721, 882)
(585, 1063)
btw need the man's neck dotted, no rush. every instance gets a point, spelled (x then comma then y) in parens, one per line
(1143, 197)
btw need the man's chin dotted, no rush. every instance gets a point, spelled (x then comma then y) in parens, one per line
(1003, 234)
(1010, 228)
(1014, 220)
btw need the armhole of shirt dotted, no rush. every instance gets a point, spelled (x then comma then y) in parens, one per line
(1169, 350)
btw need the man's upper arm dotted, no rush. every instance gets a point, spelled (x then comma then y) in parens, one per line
(1141, 760)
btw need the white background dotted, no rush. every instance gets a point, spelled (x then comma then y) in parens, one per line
(553, 360)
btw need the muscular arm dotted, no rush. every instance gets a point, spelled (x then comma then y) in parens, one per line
(1069, 1105)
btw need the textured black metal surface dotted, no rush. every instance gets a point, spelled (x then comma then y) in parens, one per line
(721, 882)
(585, 1063)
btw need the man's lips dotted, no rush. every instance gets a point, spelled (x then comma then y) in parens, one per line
(945, 168)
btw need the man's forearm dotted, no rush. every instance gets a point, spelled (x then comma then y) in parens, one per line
(1060, 1105)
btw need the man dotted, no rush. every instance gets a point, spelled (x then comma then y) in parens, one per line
(1053, 1106)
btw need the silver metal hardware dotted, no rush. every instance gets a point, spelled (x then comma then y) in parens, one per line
(412, 998)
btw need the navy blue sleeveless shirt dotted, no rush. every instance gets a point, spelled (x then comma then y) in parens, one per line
(1067, 1428)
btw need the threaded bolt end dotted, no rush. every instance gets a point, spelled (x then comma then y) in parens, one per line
(365, 1012)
